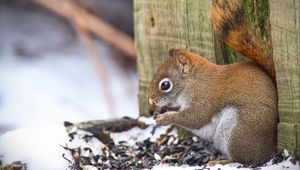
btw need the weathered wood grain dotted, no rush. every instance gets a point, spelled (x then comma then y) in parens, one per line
(285, 17)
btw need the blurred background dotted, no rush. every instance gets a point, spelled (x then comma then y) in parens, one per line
(70, 60)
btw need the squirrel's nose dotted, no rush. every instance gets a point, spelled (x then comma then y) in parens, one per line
(151, 101)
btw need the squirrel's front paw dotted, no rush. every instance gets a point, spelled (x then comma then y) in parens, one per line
(161, 120)
(164, 119)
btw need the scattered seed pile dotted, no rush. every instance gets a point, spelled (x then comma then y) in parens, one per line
(168, 149)
(143, 153)
(146, 154)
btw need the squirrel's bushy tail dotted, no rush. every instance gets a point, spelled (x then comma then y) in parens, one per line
(229, 23)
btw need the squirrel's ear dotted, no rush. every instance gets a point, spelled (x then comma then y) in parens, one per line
(181, 59)
(183, 64)
(173, 51)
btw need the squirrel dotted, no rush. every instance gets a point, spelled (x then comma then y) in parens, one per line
(235, 105)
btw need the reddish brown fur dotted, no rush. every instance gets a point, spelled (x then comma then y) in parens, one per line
(212, 87)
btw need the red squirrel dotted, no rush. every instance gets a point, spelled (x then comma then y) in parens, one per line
(235, 105)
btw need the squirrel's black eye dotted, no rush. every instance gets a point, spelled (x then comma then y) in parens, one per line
(165, 85)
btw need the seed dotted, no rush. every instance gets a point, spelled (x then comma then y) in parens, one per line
(157, 157)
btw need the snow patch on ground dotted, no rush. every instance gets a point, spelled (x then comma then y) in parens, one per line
(38, 147)
(41, 148)
(166, 167)
(285, 165)
(55, 89)
(137, 134)
(80, 141)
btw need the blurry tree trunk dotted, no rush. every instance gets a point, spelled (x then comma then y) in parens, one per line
(160, 25)
(286, 44)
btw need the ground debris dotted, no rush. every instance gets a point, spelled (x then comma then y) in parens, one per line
(17, 165)
(146, 148)
(101, 128)
(144, 154)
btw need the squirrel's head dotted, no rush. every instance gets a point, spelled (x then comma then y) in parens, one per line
(167, 86)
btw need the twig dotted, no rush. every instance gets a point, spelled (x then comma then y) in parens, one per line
(72, 165)
(90, 23)
(100, 68)
(83, 22)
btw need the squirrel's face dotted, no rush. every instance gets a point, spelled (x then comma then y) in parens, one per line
(166, 89)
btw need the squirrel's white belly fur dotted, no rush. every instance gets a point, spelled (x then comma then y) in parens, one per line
(219, 129)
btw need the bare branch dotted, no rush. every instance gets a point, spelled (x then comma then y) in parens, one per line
(91, 23)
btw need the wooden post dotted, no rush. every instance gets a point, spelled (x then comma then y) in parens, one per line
(160, 25)
(285, 17)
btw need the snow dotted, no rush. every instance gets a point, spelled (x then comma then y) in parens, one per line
(79, 142)
(38, 147)
(285, 165)
(137, 134)
(166, 167)
(56, 89)
(41, 148)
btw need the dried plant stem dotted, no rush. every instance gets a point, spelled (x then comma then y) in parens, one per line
(100, 67)
(114, 37)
